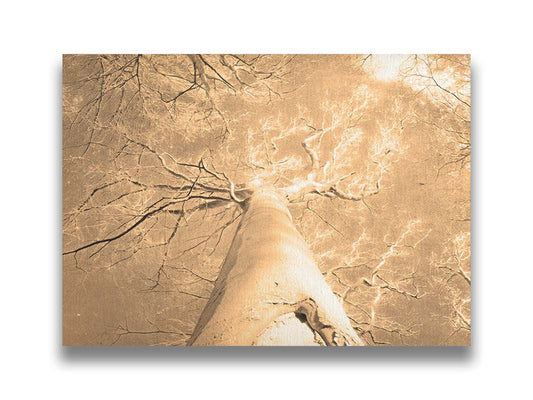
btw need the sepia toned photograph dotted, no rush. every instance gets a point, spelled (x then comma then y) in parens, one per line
(266, 200)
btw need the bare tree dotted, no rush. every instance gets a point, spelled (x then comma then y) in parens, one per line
(452, 270)
(445, 80)
(192, 162)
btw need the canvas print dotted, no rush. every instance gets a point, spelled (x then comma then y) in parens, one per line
(266, 200)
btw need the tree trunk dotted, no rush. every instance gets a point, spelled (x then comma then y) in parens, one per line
(269, 290)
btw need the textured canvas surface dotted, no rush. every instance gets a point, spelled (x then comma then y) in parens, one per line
(266, 200)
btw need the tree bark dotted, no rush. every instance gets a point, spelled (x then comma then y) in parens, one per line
(269, 290)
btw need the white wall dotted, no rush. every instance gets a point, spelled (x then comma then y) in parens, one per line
(34, 36)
